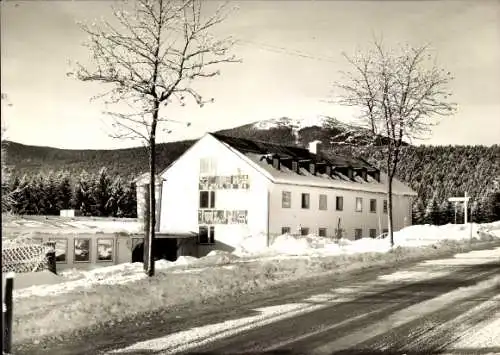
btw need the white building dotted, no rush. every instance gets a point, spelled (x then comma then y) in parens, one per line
(226, 189)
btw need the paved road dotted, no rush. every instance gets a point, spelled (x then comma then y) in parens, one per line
(424, 308)
(432, 308)
(379, 322)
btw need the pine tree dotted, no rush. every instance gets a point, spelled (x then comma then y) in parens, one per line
(38, 200)
(51, 194)
(444, 213)
(432, 213)
(114, 205)
(419, 211)
(129, 202)
(435, 213)
(102, 192)
(428, 212)
(83, 194)
(65, 192)
(15, 188)
(495, 201)
(23, 203)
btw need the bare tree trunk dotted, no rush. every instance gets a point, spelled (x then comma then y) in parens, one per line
(150, 237)
(389, 209)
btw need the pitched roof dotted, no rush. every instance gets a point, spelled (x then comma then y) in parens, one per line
(258, 152)
(247, 146)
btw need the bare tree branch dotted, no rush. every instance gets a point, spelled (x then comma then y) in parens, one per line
(400, 95)
(147, 58)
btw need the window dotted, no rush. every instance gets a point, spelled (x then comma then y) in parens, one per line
(323, 202)
(207, 166)
(373, 205)
(359, 204)
(286, 199)
(322, 232)
(207, 199)
(385, 206)
(305, 200)
(358, 233)
(61, 246)
(82, 250)
(339, 203)
(304, 231)
(285, 230)
(104, 249)
(206, 235)
(204, 196)
(373, 233)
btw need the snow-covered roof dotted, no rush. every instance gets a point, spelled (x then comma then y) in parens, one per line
(258, 154)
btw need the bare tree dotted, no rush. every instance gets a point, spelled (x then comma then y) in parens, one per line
(400, 95)
(149, 58)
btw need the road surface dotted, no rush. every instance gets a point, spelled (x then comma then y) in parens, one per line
(439, 307)
(444, 306)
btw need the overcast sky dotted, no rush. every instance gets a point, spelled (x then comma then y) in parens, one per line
(291, 53)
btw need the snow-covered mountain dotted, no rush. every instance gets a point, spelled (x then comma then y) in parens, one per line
(290, 122)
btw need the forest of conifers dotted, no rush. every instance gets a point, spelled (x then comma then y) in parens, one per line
(93, 194)
(51, 179)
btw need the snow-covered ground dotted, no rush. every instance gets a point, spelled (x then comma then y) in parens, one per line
(253, 249)
(85, 298)
(413, 236)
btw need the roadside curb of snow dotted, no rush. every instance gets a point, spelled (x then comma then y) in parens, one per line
(90, 311)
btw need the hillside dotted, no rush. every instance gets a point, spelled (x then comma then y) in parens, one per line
(435, 172)
(30, 160)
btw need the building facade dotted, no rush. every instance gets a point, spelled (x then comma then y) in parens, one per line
(227, 189)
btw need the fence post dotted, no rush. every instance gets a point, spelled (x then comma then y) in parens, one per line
(8, 313)
(51, 259)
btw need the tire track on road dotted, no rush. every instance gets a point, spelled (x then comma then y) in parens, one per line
(433, 333)
(310, 330)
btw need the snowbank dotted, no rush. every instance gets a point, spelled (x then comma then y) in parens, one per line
(284, 246)
(413, 236)
(78, 280)
(428, 234)
(115, 293)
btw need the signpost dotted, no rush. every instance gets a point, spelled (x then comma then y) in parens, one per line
(465, 200)
(7, 313)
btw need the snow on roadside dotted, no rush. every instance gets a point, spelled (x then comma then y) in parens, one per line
(474, 257)
(254, 249)
(74, 279)
(412, 236)
(412, 275)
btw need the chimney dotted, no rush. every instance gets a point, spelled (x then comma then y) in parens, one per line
(276, 162)
(314, 147)
(350, 173)
(364, 174)
(295, 166)
(376, 175)
(328, 170)
(312, 168)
